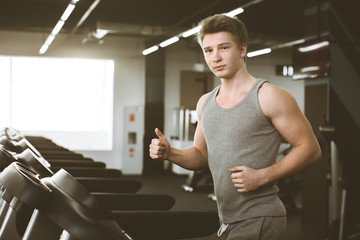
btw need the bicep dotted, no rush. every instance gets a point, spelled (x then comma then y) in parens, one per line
(293, 125)
(287, 118)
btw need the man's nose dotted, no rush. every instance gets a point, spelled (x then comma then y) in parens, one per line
(217, 56)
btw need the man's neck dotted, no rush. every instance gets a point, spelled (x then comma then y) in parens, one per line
(240, 82)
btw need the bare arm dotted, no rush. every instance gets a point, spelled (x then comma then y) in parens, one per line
(193, 158)
(295, 128)
(281, 108)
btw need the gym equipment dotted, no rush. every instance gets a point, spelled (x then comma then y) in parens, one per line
(199, 181)
(145, 224)
(212, 197)
(110, 185)
(91, 171)
(38, 142)
(86, 177)
(288, 186)
(343, 179)
(88, 218)
(70, 156)
(336, 201)
(76, 171)
(11, 133)
(20, 146)
(29, 159)
(56, 163)
(61, 158)
(75, 163)
(111, 190)
(16, 143)
(101, 186)
(121, 189)
(57, 200)
(23, 143)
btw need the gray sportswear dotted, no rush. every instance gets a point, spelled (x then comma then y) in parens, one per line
(241, 136)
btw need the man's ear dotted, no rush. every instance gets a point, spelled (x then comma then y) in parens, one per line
(243, 50)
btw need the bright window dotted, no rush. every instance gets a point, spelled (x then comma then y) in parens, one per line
(66, 100)
(5, 91)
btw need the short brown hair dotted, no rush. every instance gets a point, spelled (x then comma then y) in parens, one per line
(222, 23)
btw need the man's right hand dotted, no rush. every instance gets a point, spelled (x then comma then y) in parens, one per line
(159, 147)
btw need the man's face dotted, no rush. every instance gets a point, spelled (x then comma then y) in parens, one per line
(222, 55)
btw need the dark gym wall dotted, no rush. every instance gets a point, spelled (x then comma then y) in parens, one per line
(315, 186)
(345, 116)
(316, 108)
(333, 102)
(154, 106)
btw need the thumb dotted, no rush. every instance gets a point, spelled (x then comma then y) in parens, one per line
(159, 133)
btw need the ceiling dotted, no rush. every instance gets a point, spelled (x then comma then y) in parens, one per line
(268, 21)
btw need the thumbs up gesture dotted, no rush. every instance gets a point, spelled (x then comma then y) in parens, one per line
(159, 147)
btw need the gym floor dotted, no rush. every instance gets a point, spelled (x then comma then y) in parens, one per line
(198, 201)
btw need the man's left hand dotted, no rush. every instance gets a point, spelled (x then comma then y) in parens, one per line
(246, 179)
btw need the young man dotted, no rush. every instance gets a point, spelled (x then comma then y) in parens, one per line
(241, 125)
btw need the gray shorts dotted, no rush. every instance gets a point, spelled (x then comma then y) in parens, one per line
(259, 228)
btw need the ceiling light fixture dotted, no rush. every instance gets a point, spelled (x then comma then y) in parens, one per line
(309, 69)
(232, 13)
(150, 50)
(259, 52)
(191, 32)
(288, 44)
(67, 12)
(49, 39)
(314, 46)
(187, 33)
(58, 27)
(235, 12)
(278, 46)
(169, 41)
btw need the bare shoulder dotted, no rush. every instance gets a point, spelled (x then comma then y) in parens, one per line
(274, 100)
(200, 104)
(271, 92)
(201, 101)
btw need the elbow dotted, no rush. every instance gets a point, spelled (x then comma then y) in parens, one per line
(202, 165)
(317, 154)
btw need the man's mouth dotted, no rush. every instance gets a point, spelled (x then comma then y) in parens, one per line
(219, 68)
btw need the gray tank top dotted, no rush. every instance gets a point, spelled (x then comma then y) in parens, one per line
(241, 136)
